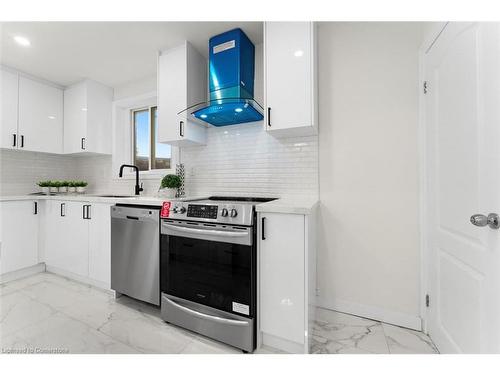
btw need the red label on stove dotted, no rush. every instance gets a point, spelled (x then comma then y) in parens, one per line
(165, 209)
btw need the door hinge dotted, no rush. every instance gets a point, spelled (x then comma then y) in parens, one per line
(426, 87)
(427, 300)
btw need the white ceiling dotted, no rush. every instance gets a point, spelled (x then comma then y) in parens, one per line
(113, 53)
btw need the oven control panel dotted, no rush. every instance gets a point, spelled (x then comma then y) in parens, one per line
(230, 213)
(202, 211)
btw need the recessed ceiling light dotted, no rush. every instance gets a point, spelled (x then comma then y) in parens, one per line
(298, 53)
(22, 41)
(84, 109)
(52, 117)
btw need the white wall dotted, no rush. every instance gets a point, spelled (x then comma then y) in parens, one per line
(369, 184)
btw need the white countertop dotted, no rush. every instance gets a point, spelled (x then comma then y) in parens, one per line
(302, 205)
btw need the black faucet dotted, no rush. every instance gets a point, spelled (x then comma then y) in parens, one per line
(138, 188)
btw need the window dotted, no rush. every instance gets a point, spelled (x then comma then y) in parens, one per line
(148, 153)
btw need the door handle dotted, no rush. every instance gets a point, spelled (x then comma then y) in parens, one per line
(63, 209)
(14, 140)
(269, 116)
(263, 228)
(35, 208)
(83, 143)
(492, 220)
(22, 141)
(181, 128)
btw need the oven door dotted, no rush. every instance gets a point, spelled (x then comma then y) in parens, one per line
(210, 264)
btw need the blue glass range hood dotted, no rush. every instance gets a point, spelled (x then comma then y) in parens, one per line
(231, 81)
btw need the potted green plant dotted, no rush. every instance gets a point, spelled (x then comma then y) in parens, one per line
(64, 187)
(80, 186)
(44, 185)
(71, 187)
(169, 185)
(54, 186)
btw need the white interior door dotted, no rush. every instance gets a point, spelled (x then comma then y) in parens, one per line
(462, 115)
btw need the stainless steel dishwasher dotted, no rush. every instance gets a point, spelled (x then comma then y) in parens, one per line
(135, 252)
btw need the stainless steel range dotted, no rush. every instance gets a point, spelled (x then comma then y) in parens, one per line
(208, 268)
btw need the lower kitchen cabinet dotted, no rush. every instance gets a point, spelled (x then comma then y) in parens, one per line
(78, 240)
(18, 235)
(287, 268)
(66, 247)
(100, 243)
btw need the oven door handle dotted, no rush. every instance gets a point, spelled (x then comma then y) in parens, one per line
(211, 232)
(198, 314)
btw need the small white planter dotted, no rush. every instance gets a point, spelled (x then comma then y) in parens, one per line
(63, 189)
(45, 189)
(71, 189)
(167, 193)
(53, 189)
(80, 189)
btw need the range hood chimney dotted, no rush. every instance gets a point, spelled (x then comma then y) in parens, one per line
(231, 81)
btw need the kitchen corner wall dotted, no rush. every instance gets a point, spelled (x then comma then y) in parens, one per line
(369, 250)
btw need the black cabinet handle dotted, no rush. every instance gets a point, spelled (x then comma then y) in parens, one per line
(132, 217)
(88, 212)
(15, 140)
(181, 128)
(263, 228)
(22, 140)
(35, 212)
(83, 143)
(269, 116)
(63, 209)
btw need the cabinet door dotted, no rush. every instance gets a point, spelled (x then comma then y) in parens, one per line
(75, 119)
(19, 235)
(289, 75)
(67, 237)
(99, 102)
(282, 283)
(8, 109)
(100, 243)
(40, 117)
(182, 77)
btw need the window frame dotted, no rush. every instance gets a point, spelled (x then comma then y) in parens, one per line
(152, 144)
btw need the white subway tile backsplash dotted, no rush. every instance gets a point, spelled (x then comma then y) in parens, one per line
(241, 159)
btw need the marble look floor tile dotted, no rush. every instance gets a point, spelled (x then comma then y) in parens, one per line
(144, 333)
(268, 350)
(16, 285)
(67, 335)
(17, 311)
(203, 345)
(406, 341)
(12, 344)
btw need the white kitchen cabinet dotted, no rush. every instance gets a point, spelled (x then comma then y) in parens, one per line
(290, 76)
(40, 117)
(87, 118)
(182, 82)
(8, 108)
(100, 243)
(287, 265)
(18, 235)
(67, 237)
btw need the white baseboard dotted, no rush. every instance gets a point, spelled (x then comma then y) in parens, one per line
(25, 272)
(372, 312)
(81, 279)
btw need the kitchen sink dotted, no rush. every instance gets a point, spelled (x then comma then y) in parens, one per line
(115, 196)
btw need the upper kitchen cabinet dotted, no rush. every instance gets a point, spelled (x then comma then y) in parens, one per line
(87, 118)
(40, 121)
(8, 104)
(182, 82)
(290, 75)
